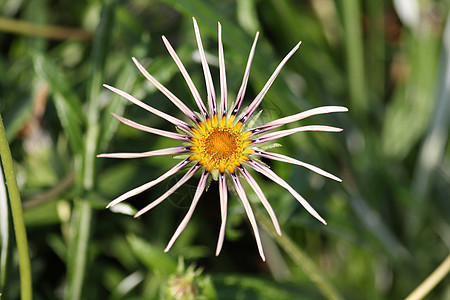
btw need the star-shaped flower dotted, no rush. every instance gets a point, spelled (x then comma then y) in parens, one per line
(220, 142)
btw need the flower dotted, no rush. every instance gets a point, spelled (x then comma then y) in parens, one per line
(220, 142)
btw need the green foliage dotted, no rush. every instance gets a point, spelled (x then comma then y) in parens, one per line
(388, 221)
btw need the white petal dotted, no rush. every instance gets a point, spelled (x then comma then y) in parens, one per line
(223, 77)
(241, 93)
(166, 151)
(282, 133)
(178, 103)
(271, 175)
(172, 135)
(207, 73)
(169, 118)
(294, 161)
(249, 211)
(198, 193)
(169, 192)
(150, 184)
(255, 103)
(223, 194)
(254, 185)
(297, 117)
(190, 83)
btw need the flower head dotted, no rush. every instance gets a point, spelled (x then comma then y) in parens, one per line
(219, 141)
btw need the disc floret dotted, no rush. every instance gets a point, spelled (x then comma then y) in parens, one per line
(220, 146)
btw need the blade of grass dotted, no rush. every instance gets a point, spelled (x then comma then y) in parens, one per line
(351, 18)
(67, 103)
(300, 258)
(425, 287)
(17, 216)
(82, 222)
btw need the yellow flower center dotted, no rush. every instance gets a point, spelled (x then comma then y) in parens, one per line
(220, 145)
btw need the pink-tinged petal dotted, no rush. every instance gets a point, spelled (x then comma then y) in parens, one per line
(166, 151)
(248, 209)
(207, 73)
(177, 102)
(254, 185)
(169, 118)
(274, 177)
(150, 184)
(297, 117)
(190, 83)
(169, 192)
(241, 93)
(171, 135)
(282, 133)
(223, 194)
(255, 103)
(223, 77)
(294, 161)
(182, 226)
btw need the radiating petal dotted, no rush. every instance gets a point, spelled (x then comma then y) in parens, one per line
(255, 103)
(207, 73)
(282, 133)
(150, 184)
(198, 193)
(169, 134)
(241, 93)
(254, 185)
(294, 161)
(249, 211)
(297, 117)
(170, 191)
(190, 83)
(166, 151)
(169, 118)
(223, 194)
(271, 175)
(223, 76)
(178, 103)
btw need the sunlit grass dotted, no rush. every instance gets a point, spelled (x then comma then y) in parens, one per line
(388, 221)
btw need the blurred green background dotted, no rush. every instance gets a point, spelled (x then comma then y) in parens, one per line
(388, 221)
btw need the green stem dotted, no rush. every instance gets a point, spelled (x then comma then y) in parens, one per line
(351, 16)
(425, 287)
(300, 258)
(17, 216)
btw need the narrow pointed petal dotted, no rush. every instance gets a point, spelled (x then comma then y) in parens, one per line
(166, 151)
(150, 184)
(241, 93)
(255, 103)
(177, 102)
(169, 118)
(249, 211)
(297, 117)
(190, 83)
(223, 194)
(282, 133)
(274, 177)
(170, 191)
(254, 185)
(171, 135)
(294, 161)
(182, 226)
(223, 77)
(207, 73)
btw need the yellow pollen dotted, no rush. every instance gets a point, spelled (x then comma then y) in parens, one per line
(220, 146)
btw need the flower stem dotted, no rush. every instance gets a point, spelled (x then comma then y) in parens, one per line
(17, 216)
(300, 258)
(425, 287)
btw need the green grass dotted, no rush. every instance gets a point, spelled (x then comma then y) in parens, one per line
(388, 221)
